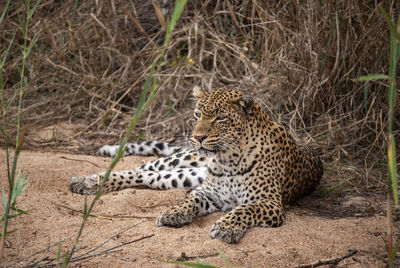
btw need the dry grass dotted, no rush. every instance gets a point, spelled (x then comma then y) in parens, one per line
(300, 58)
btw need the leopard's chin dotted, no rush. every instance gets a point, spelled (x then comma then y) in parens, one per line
(205, 151)
(209, 150)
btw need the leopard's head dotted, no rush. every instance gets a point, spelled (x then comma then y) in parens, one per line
(221, 117)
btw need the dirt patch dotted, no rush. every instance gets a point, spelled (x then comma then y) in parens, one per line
(54, 215)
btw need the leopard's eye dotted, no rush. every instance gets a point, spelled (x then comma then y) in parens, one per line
(197, 115)
(221, 118)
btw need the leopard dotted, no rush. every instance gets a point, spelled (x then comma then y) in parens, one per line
(242, 162)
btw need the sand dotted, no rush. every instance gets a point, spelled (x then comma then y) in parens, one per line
(307, 236)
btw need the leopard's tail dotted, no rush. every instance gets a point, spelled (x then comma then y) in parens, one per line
(147, 148)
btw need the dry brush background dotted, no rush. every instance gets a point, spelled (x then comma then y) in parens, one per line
(300, 59)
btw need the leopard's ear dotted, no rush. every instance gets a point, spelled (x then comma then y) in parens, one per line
(198, 92)
(245, 102)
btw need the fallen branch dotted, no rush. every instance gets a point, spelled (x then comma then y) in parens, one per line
(106, 241)
(38, 252)
(80, 211)
(110, 250)
(127, 216)
(79, 160)
(48, 260)
(184, 257)
(333, 261)
(106, 217)
(75, 259)
(107, 251)
(34, 262)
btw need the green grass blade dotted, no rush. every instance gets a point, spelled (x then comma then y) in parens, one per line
(373, 77)
(221, 254)
(58, 258)
(393, 62)
(20, 211)
(15, 160)
(66, 260)
(3, 195)
(85, 211)
(4, 11)
(394, 47)
(147, 86)
(393, 168)
(31, 45)
(392, 256)
(11, 100)
(19, 187)
(14, 193)
(10, 232)
(32, 10)
(24, 183)
(178, 9)
(390, 23)
(4, 58)
(75, 9)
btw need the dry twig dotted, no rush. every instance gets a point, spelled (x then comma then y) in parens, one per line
(184, 257)
(79, 160)
(101, 216)
(87, 255)
(333, 261)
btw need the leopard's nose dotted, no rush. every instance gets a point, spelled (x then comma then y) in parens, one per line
(200, 138)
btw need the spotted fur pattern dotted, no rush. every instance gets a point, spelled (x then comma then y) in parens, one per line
(244, 164)
(181, 170)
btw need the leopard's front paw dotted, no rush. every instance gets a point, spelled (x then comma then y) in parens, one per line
(173, 219)
(84, 184)
(226, 233)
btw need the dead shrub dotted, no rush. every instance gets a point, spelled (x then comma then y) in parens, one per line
(300, 58)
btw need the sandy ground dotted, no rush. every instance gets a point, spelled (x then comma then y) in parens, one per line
(306, 237)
